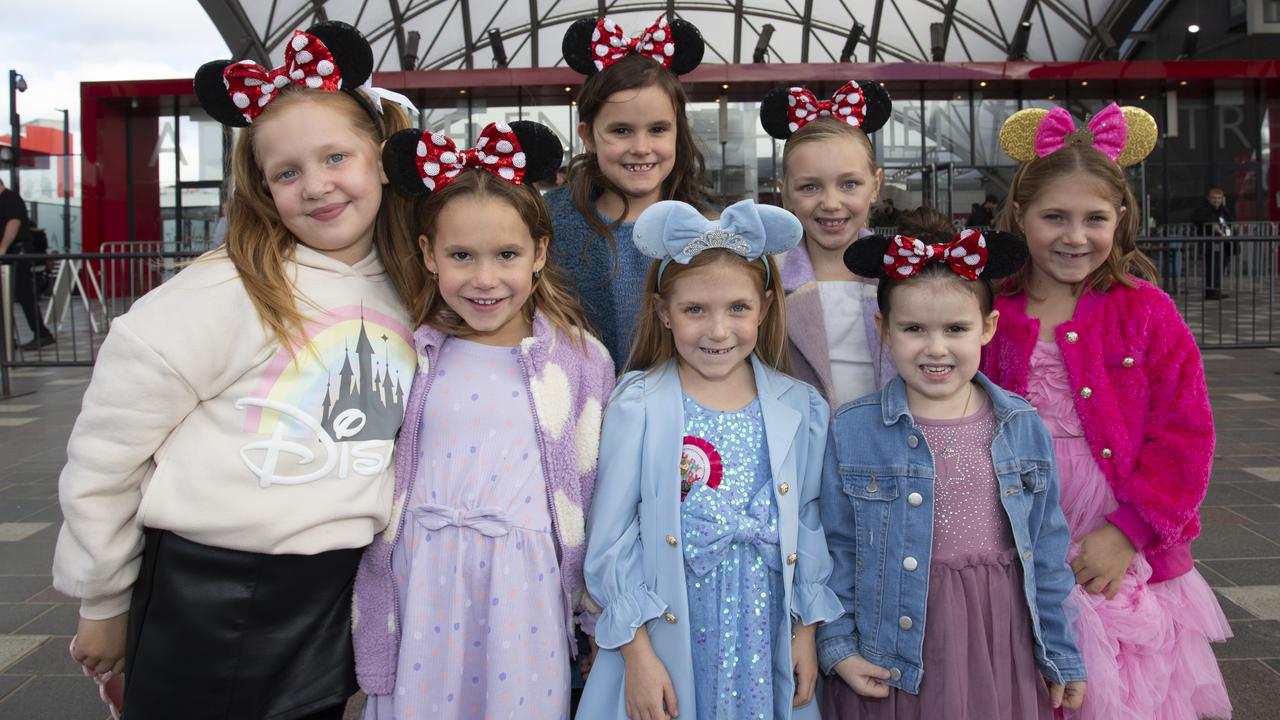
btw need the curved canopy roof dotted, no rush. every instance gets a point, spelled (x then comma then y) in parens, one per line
(456, 34)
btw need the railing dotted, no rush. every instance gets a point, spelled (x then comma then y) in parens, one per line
(78, 295)
(85, 291)
(1225, 286)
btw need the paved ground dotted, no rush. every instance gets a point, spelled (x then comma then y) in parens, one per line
(1238, 552)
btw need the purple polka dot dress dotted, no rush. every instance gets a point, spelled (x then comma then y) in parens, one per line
(476, 568)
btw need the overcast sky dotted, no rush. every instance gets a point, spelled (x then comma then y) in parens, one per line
(56, 44)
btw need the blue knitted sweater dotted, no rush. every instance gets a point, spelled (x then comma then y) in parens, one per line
(611, 298)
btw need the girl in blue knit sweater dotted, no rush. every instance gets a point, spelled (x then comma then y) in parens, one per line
(639, 149)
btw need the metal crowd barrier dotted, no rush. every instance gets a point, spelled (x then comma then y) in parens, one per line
(1224, 286)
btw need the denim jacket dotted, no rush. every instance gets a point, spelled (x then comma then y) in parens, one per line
(877, 508)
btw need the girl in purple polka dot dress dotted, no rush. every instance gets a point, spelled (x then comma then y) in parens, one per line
(465, 605)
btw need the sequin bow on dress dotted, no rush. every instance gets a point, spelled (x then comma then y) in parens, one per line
(497, 151)
(711, 529)
(307, 62)
(966, 255)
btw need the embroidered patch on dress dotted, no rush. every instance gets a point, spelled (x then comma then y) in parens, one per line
(699, 463)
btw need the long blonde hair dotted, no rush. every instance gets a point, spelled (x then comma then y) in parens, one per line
(654, 344)
(1125, 261)
(548, 297)
(260, 246)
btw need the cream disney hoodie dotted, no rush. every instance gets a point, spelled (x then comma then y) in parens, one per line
(197, 421)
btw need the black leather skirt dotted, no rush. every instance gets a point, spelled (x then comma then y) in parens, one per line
(231, 635)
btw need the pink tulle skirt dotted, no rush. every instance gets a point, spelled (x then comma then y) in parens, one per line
(1147, 650)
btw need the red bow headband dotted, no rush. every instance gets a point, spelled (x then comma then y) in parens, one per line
(609, 44)
(592, 45)
(497, 151)
(418, 162)
(307, 62)
(966, 255)
(847, 105)
(859, 103)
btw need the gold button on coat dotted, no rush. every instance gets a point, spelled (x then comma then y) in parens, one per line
(791, 559)
(1128, 362)
(671, 540)
(905, 623)
(1027, 554)
(1073, 336)
(1086, 392)
(784, 488)
(912, 441)
(670, 617)
(1106, 453)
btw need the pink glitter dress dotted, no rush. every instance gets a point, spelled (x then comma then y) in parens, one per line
(1147, 649)
(979, 648)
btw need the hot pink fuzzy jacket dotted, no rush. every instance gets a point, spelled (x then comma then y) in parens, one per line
(1141, 397)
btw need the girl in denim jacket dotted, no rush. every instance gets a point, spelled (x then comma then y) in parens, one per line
(465, 605)
(940, 503)
(1114, 371)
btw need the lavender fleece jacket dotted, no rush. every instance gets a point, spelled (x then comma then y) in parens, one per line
(569, 386)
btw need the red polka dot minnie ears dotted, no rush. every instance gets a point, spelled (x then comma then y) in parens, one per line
(860, 103)
(971, 254)
(418, 162)
(330, 56)
(591, 45)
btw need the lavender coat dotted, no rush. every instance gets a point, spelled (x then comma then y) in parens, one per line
(568, 387)
(807, 335)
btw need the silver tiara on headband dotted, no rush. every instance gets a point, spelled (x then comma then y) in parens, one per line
(673, 231)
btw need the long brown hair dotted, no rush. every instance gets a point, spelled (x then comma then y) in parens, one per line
(260, 246)
(1125, 261)
(549, 296)
(587, 181)
(654, 344)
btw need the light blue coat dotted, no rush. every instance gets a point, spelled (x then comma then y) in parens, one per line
(635, 562)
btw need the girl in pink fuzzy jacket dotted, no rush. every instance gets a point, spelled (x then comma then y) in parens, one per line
(1116, 375)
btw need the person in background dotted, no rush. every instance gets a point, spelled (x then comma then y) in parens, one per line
(16, 238)
(1213, 219)
(983, 215)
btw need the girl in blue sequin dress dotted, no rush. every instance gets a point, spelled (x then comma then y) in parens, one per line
(704, 547)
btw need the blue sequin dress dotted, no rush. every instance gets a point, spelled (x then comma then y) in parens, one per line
(733, 566)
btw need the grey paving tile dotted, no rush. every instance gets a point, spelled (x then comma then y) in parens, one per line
(1267, 491)
(1248, 572)
(57, 620)
(1226, 493)
(51, 596)
(54, 697)
(26, 558)
(1263, 602)
(19, 509)
(1253, 639)
(16, 588)
(51, 658)
(1220, 516)
(13, 648)
(1232, 541)
(1259, 513)
(1212, 577)
(1230, 609)
(15, 615)
(1254, 689)
(9, 683)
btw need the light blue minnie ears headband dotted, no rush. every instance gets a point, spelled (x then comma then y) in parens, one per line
(673, 231)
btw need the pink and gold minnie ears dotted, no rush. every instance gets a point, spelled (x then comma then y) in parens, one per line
(1124, 134)
(971, 254)
(330, 56)
(418, 162)
(860, 103)
(591, 45)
